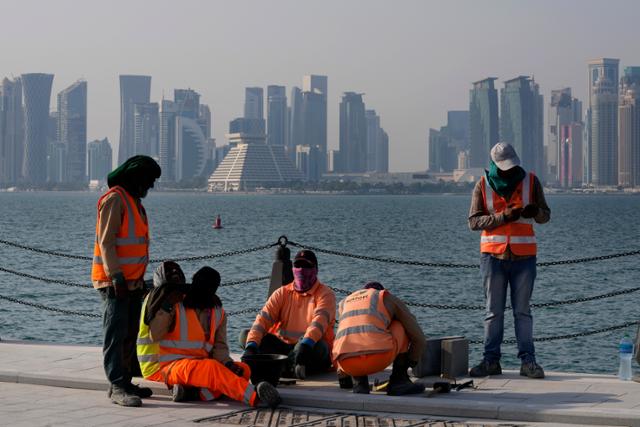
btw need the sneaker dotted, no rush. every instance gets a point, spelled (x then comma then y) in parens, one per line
(122, 397)
(402, 386)
(181, 393)
(268, 395)
(486, 368)
(345, 382)
(531, 370)
(361, 385)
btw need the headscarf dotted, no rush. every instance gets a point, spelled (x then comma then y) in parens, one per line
(202, 293)
(168, 288)
(135, 171)
(373, 285)
(501, 185)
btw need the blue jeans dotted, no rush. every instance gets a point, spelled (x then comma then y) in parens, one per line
(519, 276)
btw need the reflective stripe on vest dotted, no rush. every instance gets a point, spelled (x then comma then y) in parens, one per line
(132, 246)
(363, 327)
(148, 351)
(517, 235)
(248, 394)
(206, 394)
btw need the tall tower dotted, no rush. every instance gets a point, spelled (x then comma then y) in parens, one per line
(146, 122)
(295, 123)
(11, 131)
(37, 96)
(353, 134)
(521, 121)
(276, 115)
(602, 72)
(72, 130)
(133, 90)
(373, 135)
(629, 129)
(314, 106)
(99, 159)
(483, 121)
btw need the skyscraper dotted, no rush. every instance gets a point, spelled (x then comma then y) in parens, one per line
(314, 115)
(133, 90)
(373, 128)
(600, 140)
(353, 134)
(521, 121)
(563, 110)
(72, 130)
(276, 115)
(100, 160)
(383, 151)
(570, 154)
(187, 102)
(168, 112)
(629, 129)
(191, 149)
(458, 129)
(146, 138)
(37, 95)
(483, 121)
(11, 131)
(295, 123)
(254, 106)
(205, 121)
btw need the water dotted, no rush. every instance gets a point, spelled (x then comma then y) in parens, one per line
(427, 228)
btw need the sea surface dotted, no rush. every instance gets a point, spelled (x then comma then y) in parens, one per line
(425, 228)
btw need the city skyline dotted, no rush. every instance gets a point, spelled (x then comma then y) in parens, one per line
(412, 89)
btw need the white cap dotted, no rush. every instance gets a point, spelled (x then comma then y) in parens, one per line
(504, 156)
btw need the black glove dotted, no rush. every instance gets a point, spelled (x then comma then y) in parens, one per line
(120, 286)
(303, 355)
(234, 368)
(512, 214)
(250, 350)
(530, 211)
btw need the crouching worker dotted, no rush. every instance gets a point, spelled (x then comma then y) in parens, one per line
(375, 329)
(297, 321)
(183, 343)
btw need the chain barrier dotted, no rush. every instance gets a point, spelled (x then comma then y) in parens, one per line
(257, 309)
(454, 265)
(47, 308)
(191, 258)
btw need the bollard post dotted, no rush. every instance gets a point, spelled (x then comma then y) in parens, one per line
(282, 269)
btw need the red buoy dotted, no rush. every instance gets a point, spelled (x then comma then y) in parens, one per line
(218, 224)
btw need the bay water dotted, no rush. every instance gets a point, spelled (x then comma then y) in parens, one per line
(423, 228)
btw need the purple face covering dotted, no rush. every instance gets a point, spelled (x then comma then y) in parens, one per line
(304, 278)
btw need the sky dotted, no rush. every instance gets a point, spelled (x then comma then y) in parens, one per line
(413, 60)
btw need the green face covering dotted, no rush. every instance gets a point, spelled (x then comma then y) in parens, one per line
(136, 171)
(504, 186)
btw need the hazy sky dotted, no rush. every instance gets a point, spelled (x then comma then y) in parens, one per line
(414, 60)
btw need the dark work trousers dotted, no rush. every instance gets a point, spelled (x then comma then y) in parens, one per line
(120, 320)
(319, 360)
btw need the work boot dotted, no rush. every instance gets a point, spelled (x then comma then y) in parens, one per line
(122, 397)
(141, 392)
(399, 382)
(345, 381)
(181, 393)
(361, 385)
(531, 370)
(486, 368)
(268, 395)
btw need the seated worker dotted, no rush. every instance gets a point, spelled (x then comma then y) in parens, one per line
(297, 321)
(375, 329)
(184, 343)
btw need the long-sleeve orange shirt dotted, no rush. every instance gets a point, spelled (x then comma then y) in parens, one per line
(294, 316)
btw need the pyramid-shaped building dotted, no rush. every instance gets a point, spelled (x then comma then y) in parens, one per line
(251, 163)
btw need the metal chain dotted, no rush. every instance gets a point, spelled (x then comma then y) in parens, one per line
(192, 258)
(569, 336)
(454, 265)
(240, 282)
(54, 309)
(44, 279)
(245, 311)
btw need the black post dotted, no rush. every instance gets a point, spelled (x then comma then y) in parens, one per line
(282, 269)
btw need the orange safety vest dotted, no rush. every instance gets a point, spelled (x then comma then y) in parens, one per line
(132, 241)
(517, 235)
(364, 325)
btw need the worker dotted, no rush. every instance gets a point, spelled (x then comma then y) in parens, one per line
(376, 329)
(297, 320)
(120, 257)
(505, 203)
(185, 346)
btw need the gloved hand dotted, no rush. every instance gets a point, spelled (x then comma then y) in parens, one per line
(303, 355)
(120, 286)
(236, 369)
(251, 349)
(530, 211)
(413, 363)
(512, 213)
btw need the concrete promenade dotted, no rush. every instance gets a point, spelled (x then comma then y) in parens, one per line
(561, 398)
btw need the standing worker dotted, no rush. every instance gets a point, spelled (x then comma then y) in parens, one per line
(120, 258)
(297, 320)
(376, 329)
(505, 202)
